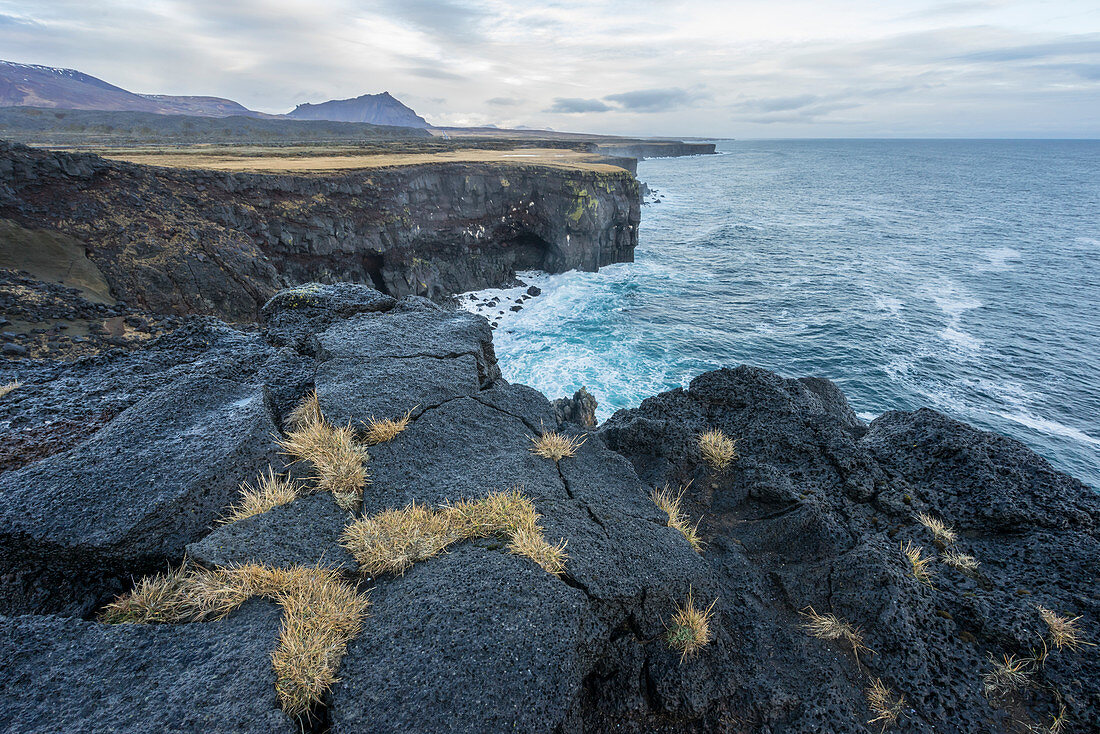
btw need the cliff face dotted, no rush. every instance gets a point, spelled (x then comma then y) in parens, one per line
(222, 243)
(656, 149)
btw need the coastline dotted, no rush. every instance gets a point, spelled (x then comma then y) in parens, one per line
(128, 457)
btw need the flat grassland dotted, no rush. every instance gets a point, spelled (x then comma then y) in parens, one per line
(308, 159)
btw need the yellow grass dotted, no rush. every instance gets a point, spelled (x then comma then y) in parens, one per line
(269, 491)
(883, 704)
(337, 458)
(386, 429)
(556, 446)
(670, 502)
(1064, 631)
(553, 157)
(394, 540)
(160, 599)
(942, 533)
(689, 631)
(321, 613)
(961, 561)
(832, 627)
(8, 387)
(717, 448)
(306, 412)
(919, 565)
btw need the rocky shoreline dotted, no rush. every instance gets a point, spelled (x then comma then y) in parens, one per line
(211, 242)
(914, 568)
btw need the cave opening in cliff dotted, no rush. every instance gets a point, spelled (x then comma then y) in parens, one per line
(528, 251)
(372, 265)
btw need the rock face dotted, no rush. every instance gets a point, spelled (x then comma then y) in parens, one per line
(222, 243)
(814, 512)
(811, 514)
(217, 679)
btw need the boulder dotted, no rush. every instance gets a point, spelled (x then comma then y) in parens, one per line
(476, 640)
(305, 532)
(135, 494)
(62, 674)
(439, 334)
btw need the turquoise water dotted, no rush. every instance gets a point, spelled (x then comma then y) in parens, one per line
(959, 275)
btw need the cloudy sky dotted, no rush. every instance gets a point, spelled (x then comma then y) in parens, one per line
(739, 68)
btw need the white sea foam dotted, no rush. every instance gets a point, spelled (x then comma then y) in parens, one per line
(961, 339)
(1001, 258)
(1055, 428)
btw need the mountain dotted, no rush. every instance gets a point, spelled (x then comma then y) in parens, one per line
(30, 85)
(202, 106)
(378, 109)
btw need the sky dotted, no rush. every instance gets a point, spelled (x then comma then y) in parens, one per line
(740, 68)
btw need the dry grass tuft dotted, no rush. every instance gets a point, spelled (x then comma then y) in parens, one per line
(392, 541)
(1007, 675)
(886, 708)
(160, 599)
(8, 387)
(306, 412)
(529, 542)
(1057, 723)
(1063, 630)
(337, 459)
(961, 561)
(717, 448)
(942, 533)
(689, 631)
(386, 429)
(270, 490)
(919, 565)
(832, 627)
(670, 502)
(556, 446)
(321, 613)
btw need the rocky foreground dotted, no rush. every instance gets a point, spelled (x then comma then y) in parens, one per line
(821, 622)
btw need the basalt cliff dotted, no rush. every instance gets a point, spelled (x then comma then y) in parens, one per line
(203, 242)
(413, 554)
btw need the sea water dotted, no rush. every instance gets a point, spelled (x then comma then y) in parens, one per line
(959, 275)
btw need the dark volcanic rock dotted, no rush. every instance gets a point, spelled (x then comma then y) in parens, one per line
(813, 513)
(438, 334)
(137, 492)
(305, 532)
(508, 654)
(579, 409)
(68, 675)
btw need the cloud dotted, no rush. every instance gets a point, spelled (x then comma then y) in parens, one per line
(943, 10)
(575, 105)
(654, 100)
(445, 19)
(431, 72)
(779, 104)
(504, 101)
(1081, 46)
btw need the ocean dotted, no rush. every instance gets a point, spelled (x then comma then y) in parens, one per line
(958, 275)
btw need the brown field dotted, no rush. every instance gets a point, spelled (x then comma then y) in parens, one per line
(305, 160)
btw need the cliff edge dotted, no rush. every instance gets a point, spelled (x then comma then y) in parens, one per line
(220, 243)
